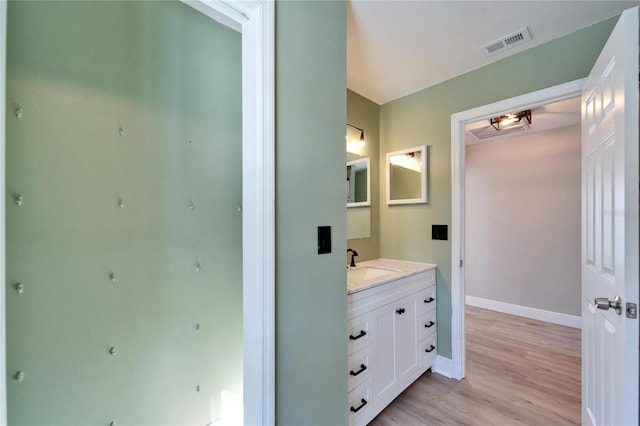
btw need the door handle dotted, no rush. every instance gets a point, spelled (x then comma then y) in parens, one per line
(604, 304)
(355, 373)
(363, 402)
(362, 334)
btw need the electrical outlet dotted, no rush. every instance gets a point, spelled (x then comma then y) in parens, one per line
(439, 232)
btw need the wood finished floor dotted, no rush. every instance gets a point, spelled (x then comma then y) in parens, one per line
(519, 372)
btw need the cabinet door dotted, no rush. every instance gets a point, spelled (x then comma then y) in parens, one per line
(384, 373)
(407, 337)
(396, 345)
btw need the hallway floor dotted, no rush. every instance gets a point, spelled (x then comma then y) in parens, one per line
(519, 372)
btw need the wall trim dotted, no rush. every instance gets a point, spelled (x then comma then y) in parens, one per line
(458, 120)
(443, 366)
(526, 312)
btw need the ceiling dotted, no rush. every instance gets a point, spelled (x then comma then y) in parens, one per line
(397, 47)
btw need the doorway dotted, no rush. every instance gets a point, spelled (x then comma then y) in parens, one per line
(522, 199)
(256, 23)
(458, 158)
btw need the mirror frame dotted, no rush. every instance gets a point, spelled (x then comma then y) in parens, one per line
(423, 181)
(368, 202)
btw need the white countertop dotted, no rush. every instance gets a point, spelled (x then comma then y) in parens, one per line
(397, 269)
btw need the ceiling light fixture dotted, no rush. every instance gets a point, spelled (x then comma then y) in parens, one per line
(508, 121)
(362, 143)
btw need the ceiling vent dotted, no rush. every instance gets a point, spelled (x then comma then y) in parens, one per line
(507, 41)
(489, 132)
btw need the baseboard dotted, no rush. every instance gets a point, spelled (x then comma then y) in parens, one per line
(526, 312)
(443, 366)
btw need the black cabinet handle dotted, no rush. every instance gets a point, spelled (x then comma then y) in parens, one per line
(355, 373)
(363, 403)
(362, 334)
(429, 300)
(431, 324)
(400, 311)
(430, 349)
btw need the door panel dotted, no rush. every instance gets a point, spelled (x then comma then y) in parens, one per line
(408, 337)
(610, 229)
(385, 350)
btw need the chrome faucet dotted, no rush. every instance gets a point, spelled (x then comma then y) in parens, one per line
(353, 255)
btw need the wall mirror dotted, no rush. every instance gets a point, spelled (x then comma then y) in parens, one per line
(359, 183)
(407, 176)
(358, 161)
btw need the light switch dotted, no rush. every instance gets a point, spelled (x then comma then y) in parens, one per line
(324, 239)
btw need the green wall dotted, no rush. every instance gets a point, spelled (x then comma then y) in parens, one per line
(311, 312)
(425, 118)
(311, 302)
(360, 187)
(363, 113)
(139, 102)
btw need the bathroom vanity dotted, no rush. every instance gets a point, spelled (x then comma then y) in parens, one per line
(391, 308)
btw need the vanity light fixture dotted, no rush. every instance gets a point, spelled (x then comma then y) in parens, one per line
(361, 143)
(508, 121)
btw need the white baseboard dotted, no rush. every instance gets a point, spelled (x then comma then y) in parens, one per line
(526, 312)
(443, 366)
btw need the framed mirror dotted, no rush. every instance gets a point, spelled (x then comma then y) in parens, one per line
(359, 183)
(407, 176)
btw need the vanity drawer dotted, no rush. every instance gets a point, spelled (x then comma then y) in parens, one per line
(360, 402)
(427, 300)
(426, 324)
(359, 333)
(359, 366)
(428, 351)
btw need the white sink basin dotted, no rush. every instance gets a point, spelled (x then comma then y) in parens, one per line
(366, 273)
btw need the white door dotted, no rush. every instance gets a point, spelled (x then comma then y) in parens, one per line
(610, 230)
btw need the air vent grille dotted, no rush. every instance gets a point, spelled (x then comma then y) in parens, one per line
(495, 47)
(514, 39)
(507, 41)
(490, 132)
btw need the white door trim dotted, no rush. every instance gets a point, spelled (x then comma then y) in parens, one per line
(256, 21)
(458, 121)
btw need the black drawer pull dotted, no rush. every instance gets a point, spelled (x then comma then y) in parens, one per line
(363, 403)
(355, 373)
(400, 311)
(431, 324)
(429, 300)
(430, 349)
(362, 334)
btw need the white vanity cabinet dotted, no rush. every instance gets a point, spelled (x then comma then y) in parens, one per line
(392, 340)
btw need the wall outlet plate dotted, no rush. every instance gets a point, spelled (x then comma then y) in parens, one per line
(439, 232)
(324, 239)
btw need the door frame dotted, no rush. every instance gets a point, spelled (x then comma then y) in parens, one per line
(458, 163)
(255, 20)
